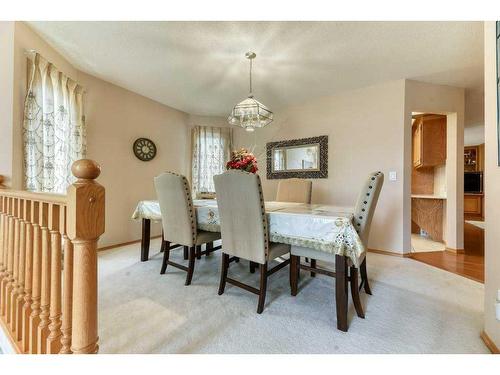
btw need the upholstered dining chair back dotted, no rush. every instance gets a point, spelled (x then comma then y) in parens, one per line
(176, 206)
(294, 190)
(366, 203)
(242, 215)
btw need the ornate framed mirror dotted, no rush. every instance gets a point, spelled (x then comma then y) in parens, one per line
(298, 158)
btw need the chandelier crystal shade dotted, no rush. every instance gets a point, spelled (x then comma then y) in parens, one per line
(250, 113)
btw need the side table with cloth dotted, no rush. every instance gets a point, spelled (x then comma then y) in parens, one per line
(324, 228)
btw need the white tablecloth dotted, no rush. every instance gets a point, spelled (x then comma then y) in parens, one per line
(320, 227)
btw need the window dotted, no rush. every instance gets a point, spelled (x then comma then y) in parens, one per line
(211, 151)
(53, 128)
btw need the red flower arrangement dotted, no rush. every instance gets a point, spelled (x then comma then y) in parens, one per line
(244, 160)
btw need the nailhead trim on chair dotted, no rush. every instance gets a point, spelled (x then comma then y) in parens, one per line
(358, 220)
(189, 199)
(264, 217)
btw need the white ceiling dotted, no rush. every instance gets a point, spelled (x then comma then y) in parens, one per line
(200, 68)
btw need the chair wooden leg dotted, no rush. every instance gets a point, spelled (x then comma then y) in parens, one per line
(186, 252)
(313, 264)
(223, 273)
(294, 273)
(162, 248)
(209, 246)
(364, 277)
(190, 272)
(198, 251)
(341, 292)
(355, 292)
(263, 288)
(145, 239)
(252, 267)
(166, 255)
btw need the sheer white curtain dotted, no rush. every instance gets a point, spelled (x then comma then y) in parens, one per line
(211, 151)
(54, 129)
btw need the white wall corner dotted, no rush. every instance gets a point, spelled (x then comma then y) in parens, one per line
(449, 101)
(492, 187)
(7, 96)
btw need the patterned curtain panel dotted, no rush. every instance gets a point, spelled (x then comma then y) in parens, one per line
(53, 128)
(211, 151)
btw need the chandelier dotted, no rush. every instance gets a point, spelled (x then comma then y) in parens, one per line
(250, 113)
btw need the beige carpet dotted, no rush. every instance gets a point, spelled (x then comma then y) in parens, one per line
(415, 308)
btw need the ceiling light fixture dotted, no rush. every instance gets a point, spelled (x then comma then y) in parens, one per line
(250, 113)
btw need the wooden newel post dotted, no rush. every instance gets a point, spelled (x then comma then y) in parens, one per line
(85, 224)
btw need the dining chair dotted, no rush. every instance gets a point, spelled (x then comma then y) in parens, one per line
(244, 229)
(363, 215)
(179, 222)
(294, 190)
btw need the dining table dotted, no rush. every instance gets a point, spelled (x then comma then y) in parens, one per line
(316, 226)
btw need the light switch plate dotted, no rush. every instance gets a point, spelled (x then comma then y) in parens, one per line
(393, 176)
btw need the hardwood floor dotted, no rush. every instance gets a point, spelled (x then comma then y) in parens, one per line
(470, 264)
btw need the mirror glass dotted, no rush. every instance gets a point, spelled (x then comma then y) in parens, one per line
(296, 158)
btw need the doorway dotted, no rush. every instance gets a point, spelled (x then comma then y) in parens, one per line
(428, 183)
(429, 200)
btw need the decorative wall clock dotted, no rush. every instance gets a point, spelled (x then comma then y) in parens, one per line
(144, 149)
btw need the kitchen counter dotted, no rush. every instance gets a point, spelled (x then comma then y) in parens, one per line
(429, 196)
(427, 213)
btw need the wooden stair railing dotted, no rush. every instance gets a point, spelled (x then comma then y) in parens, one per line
(48, 265)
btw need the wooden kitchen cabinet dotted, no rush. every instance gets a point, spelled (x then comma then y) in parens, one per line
(473, 204)
(429, 141)
(417, 143)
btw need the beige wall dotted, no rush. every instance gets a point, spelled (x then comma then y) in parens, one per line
(195, 120)
(492, 187)
(474, 107)
(370, 129)
(365, 131)
(474, 135)
(7, 99)
(425, 97)
(115, 118)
